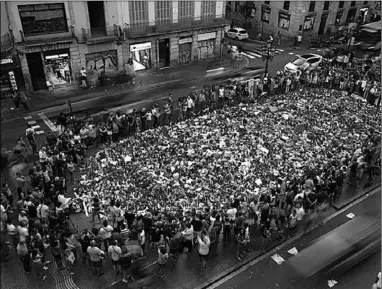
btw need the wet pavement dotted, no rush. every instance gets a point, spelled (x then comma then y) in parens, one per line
(267, 274)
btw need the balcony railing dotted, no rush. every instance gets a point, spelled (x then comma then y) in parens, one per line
(149, 28)
(99, 33)
(6, 42)
(37, 39)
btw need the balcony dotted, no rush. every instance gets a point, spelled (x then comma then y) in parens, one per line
(47, 38)
(148, 28)
(101, 34)
(6, 42)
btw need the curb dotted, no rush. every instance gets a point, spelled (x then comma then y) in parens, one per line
(356, 197)
(242, 266)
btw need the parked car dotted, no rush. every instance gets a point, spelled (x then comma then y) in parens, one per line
(237, 33)
(303, 62)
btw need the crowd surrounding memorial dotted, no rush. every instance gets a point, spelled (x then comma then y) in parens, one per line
(217, 164)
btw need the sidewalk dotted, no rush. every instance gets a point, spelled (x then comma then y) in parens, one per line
(149, 79)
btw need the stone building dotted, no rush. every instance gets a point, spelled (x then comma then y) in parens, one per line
(53, 40)
(310, 18)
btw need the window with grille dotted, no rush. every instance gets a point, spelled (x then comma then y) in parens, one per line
(208, 9)
(139, 13)
(352, 4)
(286, 5)
(341, 4)
(312, 5)
(43, 18)
(186, 10)
(163, 11)
(267, 2)
(365, 2)
(326, 5)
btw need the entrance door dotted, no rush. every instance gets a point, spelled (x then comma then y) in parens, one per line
(185, 53)
(164, 52)
(36, 70)
(321, 29)
(97, 18)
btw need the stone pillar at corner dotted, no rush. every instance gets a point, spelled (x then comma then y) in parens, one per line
(25, 71)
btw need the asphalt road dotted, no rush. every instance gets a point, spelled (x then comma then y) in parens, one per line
(267, 274)
(14, 128)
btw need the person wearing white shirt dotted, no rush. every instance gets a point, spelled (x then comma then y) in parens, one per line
(43, 157)
(63, 201)
(300, 212)
(115, 253)
(142, 239)
(23, 232)
(232, 214)
(188, 237)
(96, 255)
(42, 211)
(105, 233)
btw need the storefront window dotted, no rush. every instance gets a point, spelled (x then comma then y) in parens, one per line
(339, 14)
(141, 55)
(309, 22)
(351, 15)
(265, 14)
(57, 68)
(284, 20)
(43, 18)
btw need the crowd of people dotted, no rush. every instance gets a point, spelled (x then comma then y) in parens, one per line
(233, 164)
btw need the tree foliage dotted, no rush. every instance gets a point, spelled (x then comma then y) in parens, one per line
(247, 9)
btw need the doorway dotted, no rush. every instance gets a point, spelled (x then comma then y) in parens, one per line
(321, 29)
(36, 71)
(97, 18)
(164, 52)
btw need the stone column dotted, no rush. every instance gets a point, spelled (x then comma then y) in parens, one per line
(26, 73)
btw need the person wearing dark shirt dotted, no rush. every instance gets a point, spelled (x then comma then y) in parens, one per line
(129, 217)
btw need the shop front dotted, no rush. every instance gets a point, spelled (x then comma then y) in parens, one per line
(140, 55)
(185, 49)
(11, 77)
(50, 69)
(58, 68)
(206, 45)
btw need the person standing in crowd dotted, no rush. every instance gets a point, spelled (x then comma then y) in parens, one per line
(30, 135)
(162, 260)
(105, 233)
(24, 255)
(83, 75)
(115, 253)
(188, 237)
(203, 248)
(96, 256)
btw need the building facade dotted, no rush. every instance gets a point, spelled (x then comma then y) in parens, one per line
(54, 40)
(310, 18)
(11, 77)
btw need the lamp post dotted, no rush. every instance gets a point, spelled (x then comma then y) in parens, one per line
(268, 51)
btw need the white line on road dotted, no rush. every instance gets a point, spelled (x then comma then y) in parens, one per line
(253, 53)
(282, 50)
(48, 122)
(291, 53)
(287, 243)
(248, 55)
(216, 69)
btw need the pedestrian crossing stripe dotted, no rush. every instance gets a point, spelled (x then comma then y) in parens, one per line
(281, 50)
(248, 55)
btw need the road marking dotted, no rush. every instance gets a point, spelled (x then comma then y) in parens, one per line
(28, 117)
(288, 242)
(48, 122)
(192, 87)
(216, 69)
(282, 50)
(253, 53)
(248, 55)
(291, 53)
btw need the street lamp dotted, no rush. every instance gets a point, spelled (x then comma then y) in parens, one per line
(268, 51)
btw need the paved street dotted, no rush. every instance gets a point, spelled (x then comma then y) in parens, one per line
(268, 275)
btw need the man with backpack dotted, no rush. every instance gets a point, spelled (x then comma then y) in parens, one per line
(30, 135)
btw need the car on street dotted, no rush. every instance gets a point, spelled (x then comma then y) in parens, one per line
(237, 33)
(303, 62)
